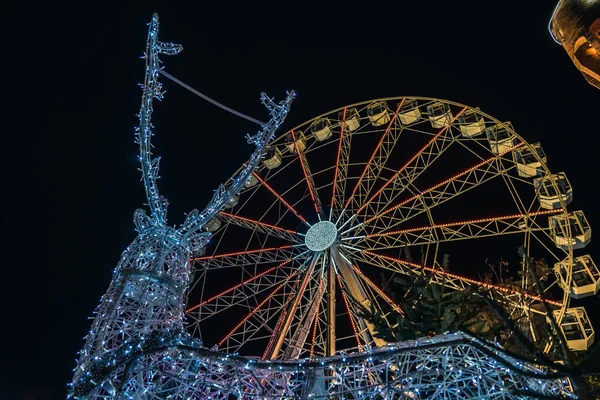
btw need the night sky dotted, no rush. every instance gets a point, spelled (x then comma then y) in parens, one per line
(70, 178)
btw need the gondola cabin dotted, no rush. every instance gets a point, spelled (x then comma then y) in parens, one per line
(409, 112)
(576, 327)
(213, 224)
(350, 119)
(251, 181)
(232, 202)
(471, 123)
(295, 139)
(501, 137)
(529, 160)
(580, 231)
(378, 113)
(321, 129)
(553, 191)
(440, 114)
(585, 276)
(272, 158)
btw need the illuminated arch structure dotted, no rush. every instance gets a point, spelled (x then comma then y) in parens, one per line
(138, 348)
(575, 24)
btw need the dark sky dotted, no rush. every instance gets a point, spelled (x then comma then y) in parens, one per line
(70, 176)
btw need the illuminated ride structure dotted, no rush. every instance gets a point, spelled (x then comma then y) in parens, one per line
(300, 236)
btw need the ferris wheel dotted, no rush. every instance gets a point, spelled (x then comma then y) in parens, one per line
(346, 202)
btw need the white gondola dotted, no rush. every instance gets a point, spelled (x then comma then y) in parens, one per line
(213, 224)
(409, 112)
(471, 123)
(291, 144)
(529, 160)
(581, 233)
(501, 137)
(585, 276)
(440, 114)
(232, 202)
(272, 158)
(378, 113)
(576, 327)
(351, 119)
(251, 181)
(553, 189)
(200, 252)
(321, 129)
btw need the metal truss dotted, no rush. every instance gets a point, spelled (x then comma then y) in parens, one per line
(455, 366)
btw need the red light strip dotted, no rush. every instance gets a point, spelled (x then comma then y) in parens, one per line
(237, 286)
(379, 291)
(306, 178)
(468, 280)
(314, 331)
(387, 130)
(254, 311)
(285, 203)
(237, 253)
(442, 183)
(349, 312)
(257, 222)
(411, 160)
(337, 161)
(474, 221)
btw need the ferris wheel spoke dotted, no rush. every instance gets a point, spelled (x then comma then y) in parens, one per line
(378, 290)
(407, 174)
(238, 294)
(262, 227)
(256, 320)
(306, 319)
(376, 162)
(440, 193)
(515, 296)
(359, 328)
(308, 177)
(341, 170)
(248, 257)
(290, 315)
(281, 199)
(463, 230)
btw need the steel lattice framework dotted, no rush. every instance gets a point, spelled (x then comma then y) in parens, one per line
(296, 288)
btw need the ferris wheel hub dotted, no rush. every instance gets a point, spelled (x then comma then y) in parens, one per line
(321, 235)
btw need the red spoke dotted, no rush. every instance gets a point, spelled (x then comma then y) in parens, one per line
(231, 289)
(378, 290)
(308, 178)
(262, 227)
(237, 253)
(356, 335)
(316, 322)
(416, 156)
(432, 188)
(474, 221)
(387, 130)
(254, 311)
(337, 161)
(467, 280)
(281, 199)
